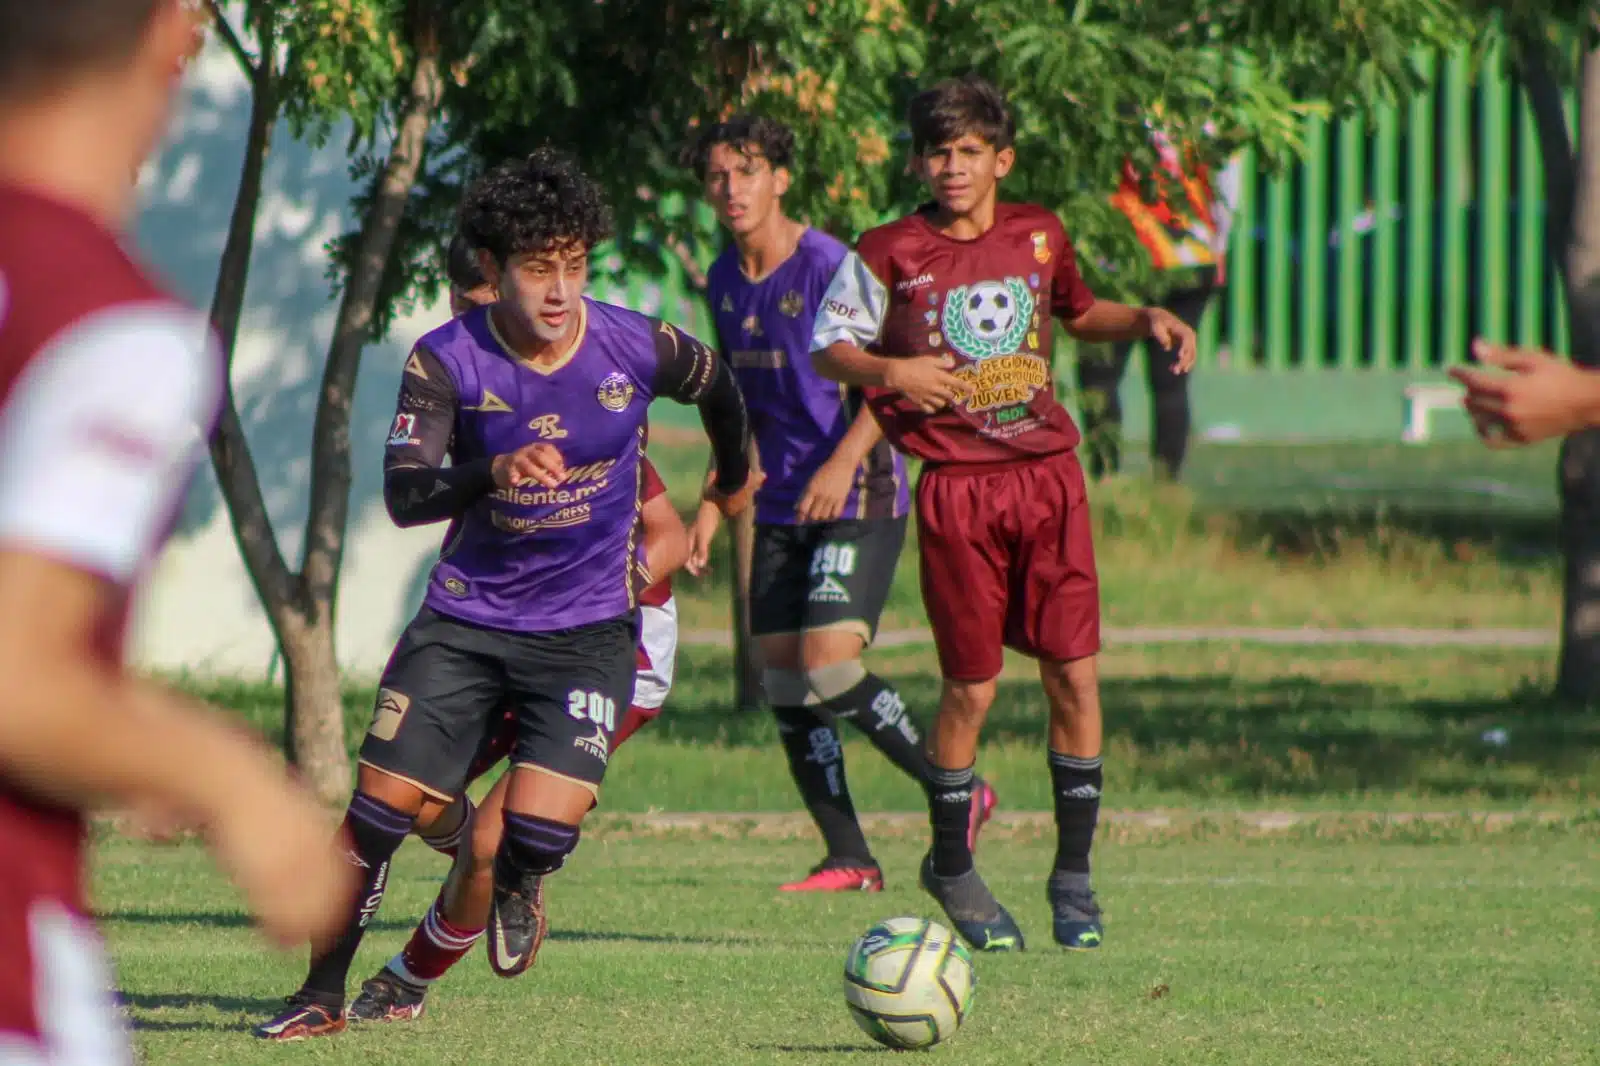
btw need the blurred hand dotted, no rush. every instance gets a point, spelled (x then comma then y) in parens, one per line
(274, 840)
(731, 504)
(927, 381)
(825, 494)
(701, 533)
(539, 463)
(1542, 396)
(1169, 331)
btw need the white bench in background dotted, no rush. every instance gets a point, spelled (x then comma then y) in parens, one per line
(1421, 400)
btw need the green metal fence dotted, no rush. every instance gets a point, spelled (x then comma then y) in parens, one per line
(1389, 248)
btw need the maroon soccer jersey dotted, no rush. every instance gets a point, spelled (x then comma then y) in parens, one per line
(106, 390)
(651, 486)
(910, 290)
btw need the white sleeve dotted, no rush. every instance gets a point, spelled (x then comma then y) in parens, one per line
(100, 434)
(853, 308)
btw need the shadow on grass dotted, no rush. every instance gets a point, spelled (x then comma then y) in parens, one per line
(251, 1008)
(227, 920)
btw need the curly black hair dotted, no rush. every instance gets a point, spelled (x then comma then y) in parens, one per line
(750, 134)
(461, 264)
(956, 107)
(531, 205)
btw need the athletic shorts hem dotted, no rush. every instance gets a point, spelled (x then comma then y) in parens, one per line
(427, 790)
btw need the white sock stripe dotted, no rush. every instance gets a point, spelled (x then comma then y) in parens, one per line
(435, 931)
(398, 967)
(1075, 762)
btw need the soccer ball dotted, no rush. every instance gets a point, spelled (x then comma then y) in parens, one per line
(990, 310)
(908, 983)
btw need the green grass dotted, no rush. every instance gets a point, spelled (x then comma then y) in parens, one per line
(1341, 944)
(1212, 725)
(1447, 535)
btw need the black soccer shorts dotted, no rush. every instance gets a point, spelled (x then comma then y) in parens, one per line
(824, 575)
(447, 683)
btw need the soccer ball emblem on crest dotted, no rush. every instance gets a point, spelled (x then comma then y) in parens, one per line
(988, 318)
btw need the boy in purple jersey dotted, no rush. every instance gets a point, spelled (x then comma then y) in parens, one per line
(538, 402)
(831, 514)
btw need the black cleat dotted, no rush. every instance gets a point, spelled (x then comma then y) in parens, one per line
(1076, 913)
(305, 1015)
(517, 924)
(386, 997)
(972, 909)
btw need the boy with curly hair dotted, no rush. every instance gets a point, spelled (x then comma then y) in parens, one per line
(538, 401)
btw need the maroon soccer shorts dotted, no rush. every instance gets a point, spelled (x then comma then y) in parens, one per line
(1007, 560)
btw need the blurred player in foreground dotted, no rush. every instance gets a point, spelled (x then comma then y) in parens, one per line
(522, 425)
(457, 918)
(107, 387)
(831, 514)
(944, 318)
(1540, 396)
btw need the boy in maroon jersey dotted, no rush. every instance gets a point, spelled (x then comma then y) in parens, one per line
(943, 317)
(107, 386)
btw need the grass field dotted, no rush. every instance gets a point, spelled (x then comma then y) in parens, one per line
(1355, 936)
(1446, 535)
(1337, 944)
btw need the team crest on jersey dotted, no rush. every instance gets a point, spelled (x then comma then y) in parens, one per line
(549, 427)
(1041, 245)
(792, 304)
(405, 425)
(987, 319)
(615, 392)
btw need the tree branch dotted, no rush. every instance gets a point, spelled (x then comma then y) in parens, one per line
(231, 39)
(230, 451)
(328, 514)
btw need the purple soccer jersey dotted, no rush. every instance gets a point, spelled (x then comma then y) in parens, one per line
(797, 416)
(530, 558)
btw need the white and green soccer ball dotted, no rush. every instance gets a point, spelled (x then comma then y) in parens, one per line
(908, 983)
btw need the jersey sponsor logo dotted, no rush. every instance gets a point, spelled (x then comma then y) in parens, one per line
(489, 403)
(519, 525)
(1041, 246)
(400, 434)
(727, 304)
(455, 586)
(792, 304)
(615, 392)
(828, 590)
(389, 713)
(912, 284)
(548, 427)
(752, 326)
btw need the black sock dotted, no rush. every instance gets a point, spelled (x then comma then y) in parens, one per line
(376, 831)
(816, 762)
(534, 845)
(877, 710)
(1076, 783)
(949, 810)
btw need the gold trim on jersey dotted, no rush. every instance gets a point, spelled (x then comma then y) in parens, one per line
(545, 369)
(638, 517)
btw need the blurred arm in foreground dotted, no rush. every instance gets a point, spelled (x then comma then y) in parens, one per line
(1541, 396)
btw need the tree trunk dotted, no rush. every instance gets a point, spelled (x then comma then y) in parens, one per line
(1578, 673)
(313, 730)
(315, 711)
(748, 694)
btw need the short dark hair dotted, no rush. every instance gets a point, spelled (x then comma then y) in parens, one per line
(956, 107)
(749, 134)
(532, 205)
(41, 44)
(461, 265)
